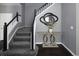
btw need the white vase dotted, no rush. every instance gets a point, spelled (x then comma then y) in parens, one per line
(50, 30)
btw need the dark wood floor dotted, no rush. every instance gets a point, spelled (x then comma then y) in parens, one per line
(60, 51)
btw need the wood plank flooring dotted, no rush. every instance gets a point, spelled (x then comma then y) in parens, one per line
(60, 51)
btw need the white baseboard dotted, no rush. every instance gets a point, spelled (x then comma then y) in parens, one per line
(42, 42)
(62, 44)
(13, 35)
(38, 42)
(68, 49)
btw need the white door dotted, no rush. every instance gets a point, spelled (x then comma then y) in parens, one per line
(4, 17)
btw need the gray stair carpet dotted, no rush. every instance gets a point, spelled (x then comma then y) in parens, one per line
(21, 44)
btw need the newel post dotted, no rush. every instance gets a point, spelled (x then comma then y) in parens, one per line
(17, 15)
(5, 37)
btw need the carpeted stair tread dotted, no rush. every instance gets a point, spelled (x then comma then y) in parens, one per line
(21, 39)
(19, 46)
(26, 28)
(23, 34)
(21, 43)
(20, 52)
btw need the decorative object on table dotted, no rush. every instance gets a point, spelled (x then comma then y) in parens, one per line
(49, 19)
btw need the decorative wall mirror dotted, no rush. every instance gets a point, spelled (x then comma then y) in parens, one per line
(49, 19)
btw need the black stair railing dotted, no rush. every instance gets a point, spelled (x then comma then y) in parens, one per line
(33, 29)
(5, 31)
(42, 6)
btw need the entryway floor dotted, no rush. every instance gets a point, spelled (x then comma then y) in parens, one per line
(60, 51)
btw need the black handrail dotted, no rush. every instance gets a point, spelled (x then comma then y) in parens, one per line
(5, 31)
(14, 18)
(42, 6)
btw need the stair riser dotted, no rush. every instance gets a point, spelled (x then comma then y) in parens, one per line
(21, 39)
(25, 30)
(23, 34)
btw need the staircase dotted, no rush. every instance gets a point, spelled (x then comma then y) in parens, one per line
(20, 45)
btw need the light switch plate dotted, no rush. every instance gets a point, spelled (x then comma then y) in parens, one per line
(71, 27)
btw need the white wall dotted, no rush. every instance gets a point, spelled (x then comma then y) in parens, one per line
(55, 9)
(11, 8)
(5, 17)
(77, 29)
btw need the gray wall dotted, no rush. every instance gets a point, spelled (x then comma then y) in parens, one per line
(11, 8)
(69, 21)
(23, 14)
(29, 13)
